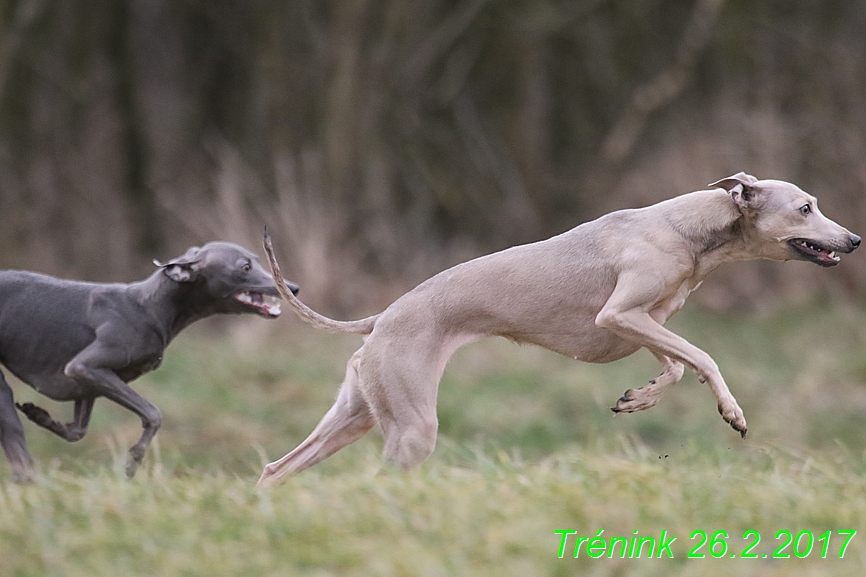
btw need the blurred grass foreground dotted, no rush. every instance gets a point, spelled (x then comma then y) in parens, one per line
(527, 447)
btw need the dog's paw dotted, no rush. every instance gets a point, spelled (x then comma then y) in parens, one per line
(133, 461)
(36, 414)
(634, 400)
(733, 415)
(22, 477)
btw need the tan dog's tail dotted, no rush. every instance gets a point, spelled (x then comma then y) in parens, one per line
(359, 327)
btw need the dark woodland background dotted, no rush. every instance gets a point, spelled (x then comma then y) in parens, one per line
(382, 141)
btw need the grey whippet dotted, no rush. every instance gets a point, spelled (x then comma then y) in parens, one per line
(78, 341)
(597, 293)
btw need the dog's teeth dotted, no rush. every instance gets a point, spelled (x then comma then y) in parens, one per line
(247, 298)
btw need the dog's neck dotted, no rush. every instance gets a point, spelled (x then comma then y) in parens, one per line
(176, 305)
(714, 226)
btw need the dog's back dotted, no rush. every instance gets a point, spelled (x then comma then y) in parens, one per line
(42, 323)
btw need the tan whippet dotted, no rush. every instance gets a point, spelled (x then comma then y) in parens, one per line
(597, 293)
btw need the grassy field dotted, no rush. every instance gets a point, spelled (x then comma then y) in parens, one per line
(529, 454)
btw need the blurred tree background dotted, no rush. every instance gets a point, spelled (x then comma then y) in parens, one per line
(384, 140)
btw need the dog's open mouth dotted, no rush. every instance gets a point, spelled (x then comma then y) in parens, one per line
(815, 252)
(265, 305)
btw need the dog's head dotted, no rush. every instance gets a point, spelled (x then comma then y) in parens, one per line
(230, 276)
(787, 221)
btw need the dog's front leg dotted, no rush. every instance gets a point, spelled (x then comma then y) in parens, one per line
(71, 432)
(626, 314)
(648, 396)
(89, 369)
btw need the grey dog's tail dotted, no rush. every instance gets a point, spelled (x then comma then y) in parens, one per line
(359, 327)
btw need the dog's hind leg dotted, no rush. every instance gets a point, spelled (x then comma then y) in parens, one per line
(649, 395)
(12, 436)
(346, 422)
(406, 385)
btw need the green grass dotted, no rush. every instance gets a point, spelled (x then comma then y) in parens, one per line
(528, 446)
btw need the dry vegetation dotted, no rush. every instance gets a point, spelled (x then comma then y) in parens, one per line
(383, 141)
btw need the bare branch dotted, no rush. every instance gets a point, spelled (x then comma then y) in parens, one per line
(665, 87)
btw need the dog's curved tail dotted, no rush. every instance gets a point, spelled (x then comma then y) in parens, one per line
(359, 327)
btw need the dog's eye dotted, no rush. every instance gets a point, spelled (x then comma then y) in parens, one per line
(247, 267)
(806, 209)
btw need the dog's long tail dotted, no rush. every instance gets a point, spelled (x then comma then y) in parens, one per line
(359, 327)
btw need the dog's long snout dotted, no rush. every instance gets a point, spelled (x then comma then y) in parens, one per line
(290, 285)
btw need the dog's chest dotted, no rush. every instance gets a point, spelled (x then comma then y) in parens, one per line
(140, 366)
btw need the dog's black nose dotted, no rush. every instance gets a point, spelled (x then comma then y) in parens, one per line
(855, 241)
(296, 289)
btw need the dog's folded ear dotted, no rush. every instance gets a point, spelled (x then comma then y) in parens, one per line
(183, 268)
(742, 188)
(746, 180)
